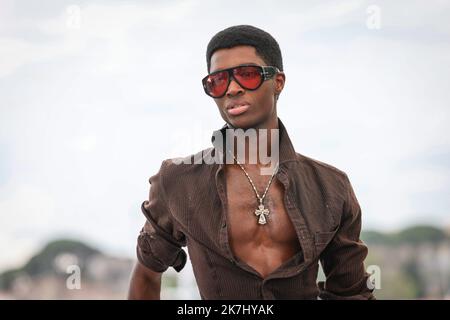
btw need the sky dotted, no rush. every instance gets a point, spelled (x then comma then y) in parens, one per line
(95, 94)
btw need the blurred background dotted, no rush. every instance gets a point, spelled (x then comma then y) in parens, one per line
(95, 94)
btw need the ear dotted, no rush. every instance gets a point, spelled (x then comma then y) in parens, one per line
(279, 80)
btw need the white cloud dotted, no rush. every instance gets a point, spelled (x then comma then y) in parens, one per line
(27, 204)
(111, 23)
(331, 14)
(26, 211)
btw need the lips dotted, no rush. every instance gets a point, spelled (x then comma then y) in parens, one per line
(236, 109)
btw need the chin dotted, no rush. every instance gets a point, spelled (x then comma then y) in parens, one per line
(245, 122)
(242, 123)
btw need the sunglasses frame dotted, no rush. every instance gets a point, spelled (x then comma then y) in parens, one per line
(266, 72)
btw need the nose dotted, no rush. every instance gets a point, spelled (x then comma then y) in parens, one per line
(234, 89)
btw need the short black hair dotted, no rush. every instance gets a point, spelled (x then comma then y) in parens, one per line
(245, 35)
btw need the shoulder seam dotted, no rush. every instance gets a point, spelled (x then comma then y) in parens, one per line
(320, 163)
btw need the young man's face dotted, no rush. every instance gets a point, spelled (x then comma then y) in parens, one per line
(260, 111)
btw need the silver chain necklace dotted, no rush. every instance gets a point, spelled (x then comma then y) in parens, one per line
(261, 212)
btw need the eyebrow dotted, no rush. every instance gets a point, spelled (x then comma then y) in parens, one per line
(239, 65)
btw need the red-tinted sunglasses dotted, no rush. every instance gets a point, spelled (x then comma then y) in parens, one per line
(248, 76)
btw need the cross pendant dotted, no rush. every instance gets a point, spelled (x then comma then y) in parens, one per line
(262, 212)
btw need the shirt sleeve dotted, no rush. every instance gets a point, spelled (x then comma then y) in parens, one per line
(159, 244)
(343, 259)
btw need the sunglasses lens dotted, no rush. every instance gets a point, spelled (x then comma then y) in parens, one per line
(216, 84)
(249, 77)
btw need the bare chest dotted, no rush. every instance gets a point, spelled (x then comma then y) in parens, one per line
(274, 242)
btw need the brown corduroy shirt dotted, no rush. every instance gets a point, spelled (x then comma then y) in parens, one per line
(187, 207)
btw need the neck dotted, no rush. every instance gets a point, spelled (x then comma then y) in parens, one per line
(256, 143)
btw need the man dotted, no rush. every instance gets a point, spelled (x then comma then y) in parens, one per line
(252, 235)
